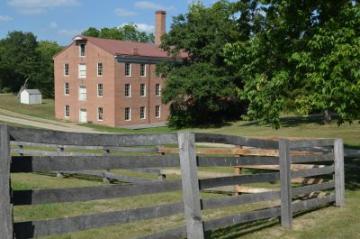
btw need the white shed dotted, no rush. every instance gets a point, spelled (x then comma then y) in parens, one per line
(30, 97)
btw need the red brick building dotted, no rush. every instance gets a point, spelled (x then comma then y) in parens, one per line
(111, 82)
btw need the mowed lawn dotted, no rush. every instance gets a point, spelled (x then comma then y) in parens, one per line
(11, 103)
(328, 222)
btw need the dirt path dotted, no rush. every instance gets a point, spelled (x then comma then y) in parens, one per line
(26, 120)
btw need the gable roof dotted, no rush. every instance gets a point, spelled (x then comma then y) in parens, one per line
(117, 47)
(33, 91)
(128, 48)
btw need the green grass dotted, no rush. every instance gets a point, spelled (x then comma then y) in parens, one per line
(11, 103)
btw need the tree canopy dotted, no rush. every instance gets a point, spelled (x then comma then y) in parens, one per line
(23, 57)
(267, 57)
(303, 58)
(125, 32)
(202, 89)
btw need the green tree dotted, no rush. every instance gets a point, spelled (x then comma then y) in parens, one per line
(202, 88)
(126, 32)
(45, 77)
(18, 60)
(303, 57)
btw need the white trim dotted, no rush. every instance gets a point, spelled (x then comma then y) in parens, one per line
(144, 90)
(158, 117)
(145, 68)
(85, 69)
(65, 69)
(130, 69)
(97, 69)
(82, 44)
(159, 89)
(144, 118)
(80, 94)
(129, 96)
(97, 114)
(66, 116)
(97, 90)
(129, 114)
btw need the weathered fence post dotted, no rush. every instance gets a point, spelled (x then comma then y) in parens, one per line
(190, 185)
(6, 223)
(339, 173)
(285, 182)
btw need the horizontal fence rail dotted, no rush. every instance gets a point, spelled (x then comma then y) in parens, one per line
(43, 196)
(86, 139)
(281, 161)
(72, 224)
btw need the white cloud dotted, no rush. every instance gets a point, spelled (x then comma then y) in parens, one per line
(69, 32)
(143, 27)
(39, 6)
(152, 6)
(5, 18)
(124, 13)
(53, 25)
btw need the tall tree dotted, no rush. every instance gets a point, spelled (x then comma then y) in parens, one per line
(125, 32)
(303, 58)
(45, 76)
(18, 60)
(202, 89)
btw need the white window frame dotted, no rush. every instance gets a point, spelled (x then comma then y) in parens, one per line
(66, 116)
(80, 49)
(129, 119)
(97, 69)
(144, 116)
(68, 69)
(98, 114)
(158, 90)
(80, 76)
(129, 91)
(145, 68)
(130, 69)
(143, 84)
(158, 116)
(80, 94)
(67, 88)
(97, 90)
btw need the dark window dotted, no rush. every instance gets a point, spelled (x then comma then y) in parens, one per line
(82, 49)
(157, 90)
(157, 111)
(66, 69)
(100, 69)
(142, 112)
(142, 90)
(100, 90)
(67, 111)
(142, 70)
(127, 113)
(67, 88)
(100, 113)
(127, 69)
(127, 90)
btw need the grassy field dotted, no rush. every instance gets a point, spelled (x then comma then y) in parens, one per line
(325, 223)
(11, 103)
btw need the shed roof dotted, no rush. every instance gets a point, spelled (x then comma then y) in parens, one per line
(33, 91)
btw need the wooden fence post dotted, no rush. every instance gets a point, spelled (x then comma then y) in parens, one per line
(6, 222)
(190, 185)
(339, 173)
(285, 182)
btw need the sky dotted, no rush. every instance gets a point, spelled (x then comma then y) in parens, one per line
(61, 20)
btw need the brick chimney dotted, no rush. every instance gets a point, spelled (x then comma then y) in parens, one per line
(160, 28)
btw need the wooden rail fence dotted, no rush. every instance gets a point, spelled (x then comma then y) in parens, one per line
(192, 205)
